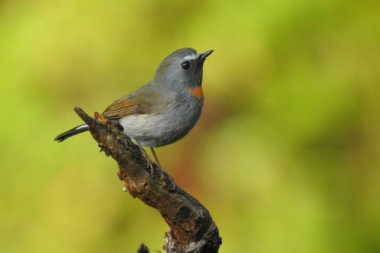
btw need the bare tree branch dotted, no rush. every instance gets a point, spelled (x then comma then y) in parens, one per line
(191, 226)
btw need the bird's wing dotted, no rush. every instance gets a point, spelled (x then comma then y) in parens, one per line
(145, 100)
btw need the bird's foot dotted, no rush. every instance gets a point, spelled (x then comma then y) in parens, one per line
(148, 161)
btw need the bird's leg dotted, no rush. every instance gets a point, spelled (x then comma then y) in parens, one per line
(150, 164)
(155, 156)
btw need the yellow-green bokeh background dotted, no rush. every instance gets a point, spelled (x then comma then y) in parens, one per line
(286, 156)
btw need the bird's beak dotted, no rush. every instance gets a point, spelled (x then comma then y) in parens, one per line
(203, 56)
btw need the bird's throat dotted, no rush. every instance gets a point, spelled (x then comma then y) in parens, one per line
(197, 92)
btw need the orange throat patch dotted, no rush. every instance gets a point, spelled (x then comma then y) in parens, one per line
(197, 92)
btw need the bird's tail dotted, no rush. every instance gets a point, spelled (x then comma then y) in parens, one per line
(72, 132)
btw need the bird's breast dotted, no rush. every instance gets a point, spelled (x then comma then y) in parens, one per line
(165, 127)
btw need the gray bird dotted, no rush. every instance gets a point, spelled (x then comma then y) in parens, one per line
(165, 109)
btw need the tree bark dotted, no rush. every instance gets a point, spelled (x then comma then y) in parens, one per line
(191, 226)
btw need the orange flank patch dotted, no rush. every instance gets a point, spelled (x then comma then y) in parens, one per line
(197, 92)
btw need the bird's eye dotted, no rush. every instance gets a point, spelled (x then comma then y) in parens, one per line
(185, 65)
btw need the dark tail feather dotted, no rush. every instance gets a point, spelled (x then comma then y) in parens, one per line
(72, 132)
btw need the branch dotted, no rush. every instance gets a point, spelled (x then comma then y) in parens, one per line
(191, 226)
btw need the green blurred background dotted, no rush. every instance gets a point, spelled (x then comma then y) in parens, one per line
(286, 155)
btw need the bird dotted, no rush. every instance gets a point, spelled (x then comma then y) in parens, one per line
(163, 110)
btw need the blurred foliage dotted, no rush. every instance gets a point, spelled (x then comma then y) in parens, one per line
(286, 155)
